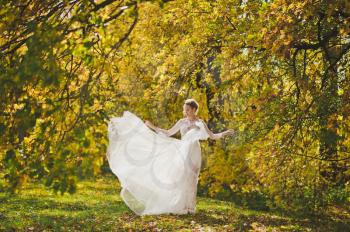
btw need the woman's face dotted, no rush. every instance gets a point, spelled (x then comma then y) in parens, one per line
(188, 111)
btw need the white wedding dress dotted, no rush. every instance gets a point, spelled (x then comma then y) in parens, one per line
(158, 173)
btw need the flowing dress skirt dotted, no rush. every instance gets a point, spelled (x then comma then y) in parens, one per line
(158, 174)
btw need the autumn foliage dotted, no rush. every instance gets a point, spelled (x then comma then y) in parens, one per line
(275, 71)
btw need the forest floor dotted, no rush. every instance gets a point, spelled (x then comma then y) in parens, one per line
(97, 207)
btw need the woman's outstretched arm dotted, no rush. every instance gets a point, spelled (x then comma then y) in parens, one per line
(169, 132)
(217, 135)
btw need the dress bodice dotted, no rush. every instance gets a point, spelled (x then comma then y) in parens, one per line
(187, 125)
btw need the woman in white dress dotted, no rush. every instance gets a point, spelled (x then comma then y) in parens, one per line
(158, 173)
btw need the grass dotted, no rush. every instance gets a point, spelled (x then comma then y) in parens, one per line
(97, 207)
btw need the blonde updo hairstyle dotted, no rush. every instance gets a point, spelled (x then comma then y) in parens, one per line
(193, 104)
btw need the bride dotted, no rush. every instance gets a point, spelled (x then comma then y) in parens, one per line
(158, 173)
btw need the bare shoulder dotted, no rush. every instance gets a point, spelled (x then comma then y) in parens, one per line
(203, 122)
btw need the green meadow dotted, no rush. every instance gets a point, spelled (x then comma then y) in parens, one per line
(97, 206)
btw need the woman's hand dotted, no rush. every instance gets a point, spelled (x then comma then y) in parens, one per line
(229, 132)
(148, 123)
